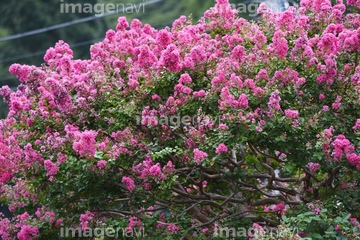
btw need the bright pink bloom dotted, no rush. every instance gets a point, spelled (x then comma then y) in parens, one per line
(101, 164)
(173, 228)
(122, 24)
(314, 167)
(129, 183)
(86, 144)
(85, 219)
(279, 207)
(185, 79)
(357, 124)
(199, 155)
(27, 233)
(274, 101)
(291, 113)
(222, 148)
(222, 126)
(155, 170)
(243, 101)
(51, 168)
(199, 94)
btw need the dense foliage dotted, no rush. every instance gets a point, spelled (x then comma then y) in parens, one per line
(191, 129)
(28, 15)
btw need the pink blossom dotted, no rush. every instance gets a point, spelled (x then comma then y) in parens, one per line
(58, 222)
(61, 158)
(199, 155)
(279, 45)
(101, 164)
(357, 125)
(243, 101)
(27, 233)
(238, 52)
(185, 79)
(122, 24)
(199, 94)
(130, 185)
(85, 219)
(168, 168)
(51, 168)
(222, 126)
(155, 97)
(146, 57)
(155, 170)
(279, 207)
(86, 144)
(258, 226)
(274, 100)
(313, 166)
(134, 222)
(198, 54)
(341, 144)
(222, 148)
(163, 38)
(170, 58)
(336, 106)
(173, 228)
(291, 113)
(355, 3)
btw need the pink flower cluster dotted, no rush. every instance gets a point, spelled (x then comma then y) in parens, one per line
(129, 183)
(199, 156)
(341, 145)
(280, 207)
(291, 113)
(27, 232)
(354, 3)
(357, 125)
(221, 148)
(101, 164)
(148, 171)
(51, 168)
(86, 143)
(85, 219)
(314, 167)
(134, 222)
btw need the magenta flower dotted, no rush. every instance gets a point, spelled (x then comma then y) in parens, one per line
(291, 113)
(129, 183)
(51, 168)
(314, 167)
(101, 164)
(199, 155)
(243, 101)
(279, 207)
(222, 148)
(27, 233)
(86, 144)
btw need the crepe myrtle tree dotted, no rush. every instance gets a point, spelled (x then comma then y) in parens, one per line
(279, 94)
